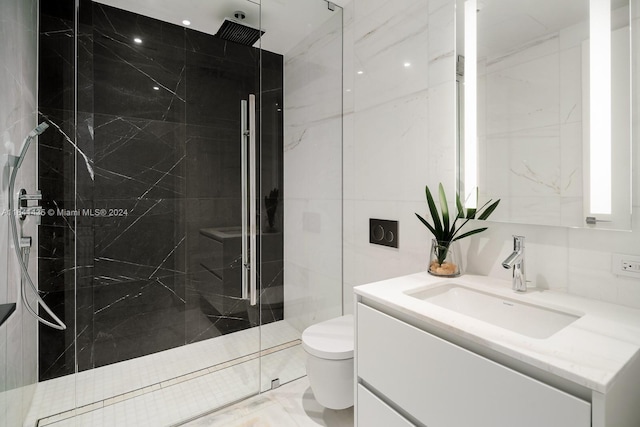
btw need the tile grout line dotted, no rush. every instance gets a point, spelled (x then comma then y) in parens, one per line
(51, 419)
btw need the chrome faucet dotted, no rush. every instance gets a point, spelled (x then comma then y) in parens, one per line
(516, 261)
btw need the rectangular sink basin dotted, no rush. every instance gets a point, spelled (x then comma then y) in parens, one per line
(526, 319)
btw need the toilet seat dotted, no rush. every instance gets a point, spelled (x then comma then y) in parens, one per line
(331, 339)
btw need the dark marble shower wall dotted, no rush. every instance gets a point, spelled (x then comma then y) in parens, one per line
(159, 123)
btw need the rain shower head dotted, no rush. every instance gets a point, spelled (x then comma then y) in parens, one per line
(238, 33)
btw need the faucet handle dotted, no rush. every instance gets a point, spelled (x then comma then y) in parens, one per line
(518, 242)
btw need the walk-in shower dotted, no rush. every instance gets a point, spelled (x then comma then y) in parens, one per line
(188, 204)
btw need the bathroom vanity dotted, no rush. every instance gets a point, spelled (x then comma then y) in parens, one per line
(468, 351)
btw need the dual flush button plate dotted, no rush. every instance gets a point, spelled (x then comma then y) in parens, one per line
(383, 232)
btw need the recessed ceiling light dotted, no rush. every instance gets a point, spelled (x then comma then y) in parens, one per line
(186, 22)
(156, 88)
(407, 64)
(360, 72)
(137, 40)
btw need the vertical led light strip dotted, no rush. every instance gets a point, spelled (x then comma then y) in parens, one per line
(470, 103)
(600, 107)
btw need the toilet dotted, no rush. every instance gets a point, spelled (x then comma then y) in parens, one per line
(329, 347)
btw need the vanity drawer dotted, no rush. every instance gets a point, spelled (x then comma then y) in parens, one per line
(443, 385)
(373, 412)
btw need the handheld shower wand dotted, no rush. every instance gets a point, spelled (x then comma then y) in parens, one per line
(25, 146)
(20, 244)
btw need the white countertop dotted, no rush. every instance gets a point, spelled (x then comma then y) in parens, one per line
(591, 351)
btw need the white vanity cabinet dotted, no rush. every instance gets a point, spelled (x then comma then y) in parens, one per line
(419, 363)
(438, 384)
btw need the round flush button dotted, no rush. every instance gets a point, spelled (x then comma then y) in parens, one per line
(378, 232)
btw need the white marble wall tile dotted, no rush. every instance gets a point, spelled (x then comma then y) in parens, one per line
(523, 96)
(573, 260)
(29, 45)
(493, 182)
(571, 147)
(313, 151)
(18, 85)
(481, 91)
(314, 234)
(590, 263)
(312, 161)
(4, 394)
(576, 260)
(348, 141)
(571, 85)
(375, 262)
(442, 57)
(311, 296)
(573, 36)
(590, 273)
(546, 250)
(441, 163)
(635, 101)
(391, 146)
(530, 51)
(400, 132)
(349, 269)
(385, 39)
(571, 211)
(531, 174)
(539, 210)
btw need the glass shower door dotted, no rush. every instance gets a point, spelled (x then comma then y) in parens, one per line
(167, 321)
(300, 183)
(161, 323)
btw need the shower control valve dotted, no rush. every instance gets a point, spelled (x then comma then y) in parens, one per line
(25, 208)
(25, 196)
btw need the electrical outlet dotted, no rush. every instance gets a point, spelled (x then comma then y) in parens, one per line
(626, 265)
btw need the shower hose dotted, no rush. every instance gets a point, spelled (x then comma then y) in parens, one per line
(22, 251)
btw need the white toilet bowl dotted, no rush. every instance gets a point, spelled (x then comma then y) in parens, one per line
(329, 347)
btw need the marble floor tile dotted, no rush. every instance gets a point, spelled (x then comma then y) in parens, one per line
(292, 404)
(156, 375)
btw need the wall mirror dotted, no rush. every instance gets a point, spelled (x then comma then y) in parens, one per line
(544, 99)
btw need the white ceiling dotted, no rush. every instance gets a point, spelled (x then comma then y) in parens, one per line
(285, 22)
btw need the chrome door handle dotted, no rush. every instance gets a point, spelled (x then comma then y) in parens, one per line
(253, 250)
(249, 208)
(244, 133)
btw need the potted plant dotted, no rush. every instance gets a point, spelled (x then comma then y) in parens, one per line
(443, 261)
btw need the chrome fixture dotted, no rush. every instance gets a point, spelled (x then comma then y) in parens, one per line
(25, 209)
(249, 208)
(516, 261)
(22, 244)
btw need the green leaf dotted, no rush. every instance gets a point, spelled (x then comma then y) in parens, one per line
(455, 231)
(444, 227)
(470, 233)
(429, 226)
(437, 225)
(444, 207)
(484, 215)
(460, 207)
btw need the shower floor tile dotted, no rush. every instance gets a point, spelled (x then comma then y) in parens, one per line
(112, 388)
(290, 405)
